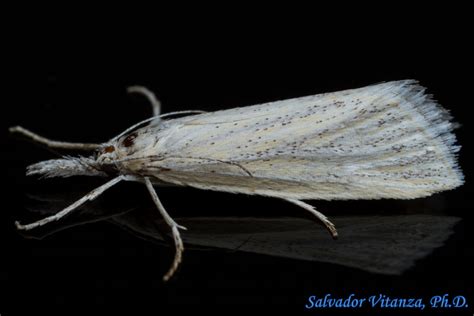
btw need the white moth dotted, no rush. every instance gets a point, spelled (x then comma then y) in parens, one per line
(389, 140)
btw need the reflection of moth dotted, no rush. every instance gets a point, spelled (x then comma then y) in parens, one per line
(382, 141)
(379, 244)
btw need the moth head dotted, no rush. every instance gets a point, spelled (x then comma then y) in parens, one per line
(105, 159)
(101, 163)
(106, 154)
(127, 144)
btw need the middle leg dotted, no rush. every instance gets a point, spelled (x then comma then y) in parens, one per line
(178, 242)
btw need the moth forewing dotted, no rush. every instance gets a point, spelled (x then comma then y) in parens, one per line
(383, 141)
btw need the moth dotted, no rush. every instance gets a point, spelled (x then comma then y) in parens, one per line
(384, 141)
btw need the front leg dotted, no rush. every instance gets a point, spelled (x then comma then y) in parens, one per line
(88, 197)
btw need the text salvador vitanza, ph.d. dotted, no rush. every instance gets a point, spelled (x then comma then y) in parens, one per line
(444, 301)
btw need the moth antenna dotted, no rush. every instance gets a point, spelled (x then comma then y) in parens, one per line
(49, 142)
(155, 103)
(131, 128)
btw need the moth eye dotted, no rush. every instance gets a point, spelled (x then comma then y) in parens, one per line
(129, 140)
(109, 149)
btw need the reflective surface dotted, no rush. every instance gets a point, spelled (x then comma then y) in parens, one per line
(388, 244)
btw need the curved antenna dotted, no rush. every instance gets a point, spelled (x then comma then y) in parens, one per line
(131, 128)
(155, 103)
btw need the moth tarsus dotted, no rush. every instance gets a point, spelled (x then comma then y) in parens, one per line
(389, 140)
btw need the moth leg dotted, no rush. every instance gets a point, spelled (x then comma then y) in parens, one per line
(178, 242)
(88, 197)
(155, 103)
(330, 226)
(51, 143)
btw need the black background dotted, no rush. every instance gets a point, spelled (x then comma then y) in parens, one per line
(70, 85)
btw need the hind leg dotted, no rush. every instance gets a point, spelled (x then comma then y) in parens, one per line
(327, 223)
